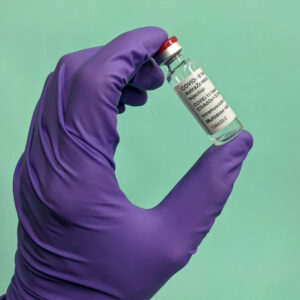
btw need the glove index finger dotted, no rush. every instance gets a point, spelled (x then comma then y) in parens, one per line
(124, 55)
(98, 87)
(146, 40)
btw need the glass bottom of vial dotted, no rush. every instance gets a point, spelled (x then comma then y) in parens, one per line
(228, 133)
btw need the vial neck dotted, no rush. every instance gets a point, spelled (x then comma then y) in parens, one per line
(174, 62)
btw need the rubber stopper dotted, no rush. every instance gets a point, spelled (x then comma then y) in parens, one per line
(167, 44)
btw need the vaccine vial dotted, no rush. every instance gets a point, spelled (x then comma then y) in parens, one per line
(198, 94)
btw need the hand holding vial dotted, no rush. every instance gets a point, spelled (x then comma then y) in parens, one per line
(79, 236)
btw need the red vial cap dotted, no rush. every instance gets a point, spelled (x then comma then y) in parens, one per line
(167, 44)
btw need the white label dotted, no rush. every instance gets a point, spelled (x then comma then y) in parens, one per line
(205, 102)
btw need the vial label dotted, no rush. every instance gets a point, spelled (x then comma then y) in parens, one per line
(205, 102)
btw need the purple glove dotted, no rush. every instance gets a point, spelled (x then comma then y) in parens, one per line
(79, 237)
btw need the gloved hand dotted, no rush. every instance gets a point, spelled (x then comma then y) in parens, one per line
(79, 237)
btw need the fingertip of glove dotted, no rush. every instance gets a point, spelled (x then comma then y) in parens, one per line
(246, 138)
(155, 30)
(241, 145)
(152, 36)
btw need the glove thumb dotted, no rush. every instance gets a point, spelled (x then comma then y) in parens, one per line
(191, 207)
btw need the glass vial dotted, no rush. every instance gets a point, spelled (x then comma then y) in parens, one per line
(198, 94)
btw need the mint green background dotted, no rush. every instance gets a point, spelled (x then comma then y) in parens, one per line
(250, 50)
